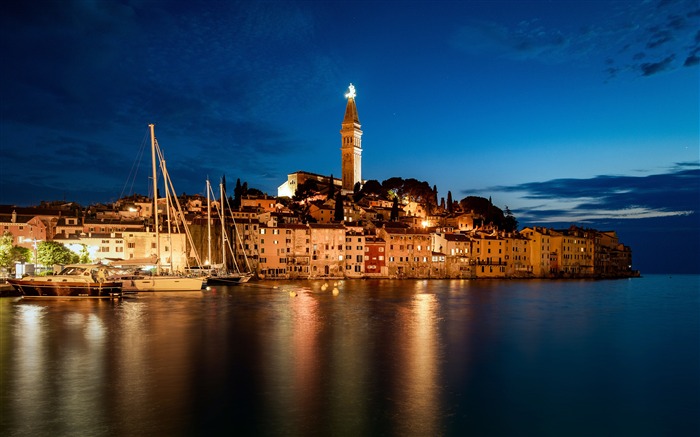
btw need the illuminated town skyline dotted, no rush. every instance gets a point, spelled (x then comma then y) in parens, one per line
(578, 112)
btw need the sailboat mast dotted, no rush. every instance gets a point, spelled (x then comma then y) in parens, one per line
(223, 228)
(208, 222)
(155, 195)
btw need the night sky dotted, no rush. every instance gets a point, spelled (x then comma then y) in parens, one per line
(568, 112)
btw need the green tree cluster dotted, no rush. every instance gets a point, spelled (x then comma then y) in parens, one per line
(52, 252)
(11, 254)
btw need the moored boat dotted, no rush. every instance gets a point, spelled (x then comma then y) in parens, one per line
(220, 274)
(74, 281)
(139, 281)
(229, 278)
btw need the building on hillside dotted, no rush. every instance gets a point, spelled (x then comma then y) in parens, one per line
(26, 230)
(279, 218)
(48, 216)
(462, 222)
(108, 226)
(296, 179)
(263, 203)
(66, 226)
(322, 212)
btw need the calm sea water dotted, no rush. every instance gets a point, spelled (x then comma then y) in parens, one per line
(385, 358)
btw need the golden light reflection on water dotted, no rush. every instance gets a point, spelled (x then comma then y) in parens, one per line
(293, 367)
(28, 355)
(419, 406)
(133, 374)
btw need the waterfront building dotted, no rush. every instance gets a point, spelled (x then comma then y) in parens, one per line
(273, 248)
(489, 255)
(354, 254)
(575, 249)
(298, 240)
(408, 251)
(611, 257)
(517, 258)
(327, 250)
(246, 235)
(538, 250)
(375, 257)
(133, 247)
(456, 250)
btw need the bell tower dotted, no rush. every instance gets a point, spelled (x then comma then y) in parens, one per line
(351, 137)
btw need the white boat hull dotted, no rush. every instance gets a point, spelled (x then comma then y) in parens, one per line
(161, 283)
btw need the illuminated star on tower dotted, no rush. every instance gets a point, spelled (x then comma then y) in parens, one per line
(351, 92)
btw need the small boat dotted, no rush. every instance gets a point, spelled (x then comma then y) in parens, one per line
(74, 281)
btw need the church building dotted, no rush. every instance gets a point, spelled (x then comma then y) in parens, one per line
(352, 144)
(351, 155)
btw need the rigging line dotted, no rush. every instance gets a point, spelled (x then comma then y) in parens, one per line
(238, 235)
(135, 168)
(180, 217)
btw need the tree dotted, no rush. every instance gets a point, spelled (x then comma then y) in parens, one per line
(237, 193)
(394, 210)
(373, 187)
(492, 214)
(339, 215)
(393, 186)
(10, 254)
(255, 192)
(510, 223)
(331, 189)
(52, 252)
(84, 255)
(357, 192)
(306, 189)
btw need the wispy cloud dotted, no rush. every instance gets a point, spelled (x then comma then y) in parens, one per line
(675, 193)
(662, 33)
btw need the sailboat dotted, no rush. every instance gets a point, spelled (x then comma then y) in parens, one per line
(221, 275)
(141, 280)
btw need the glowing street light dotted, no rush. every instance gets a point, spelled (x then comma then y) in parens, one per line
(34, 242)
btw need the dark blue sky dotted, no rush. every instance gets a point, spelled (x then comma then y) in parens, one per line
(567, 112)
